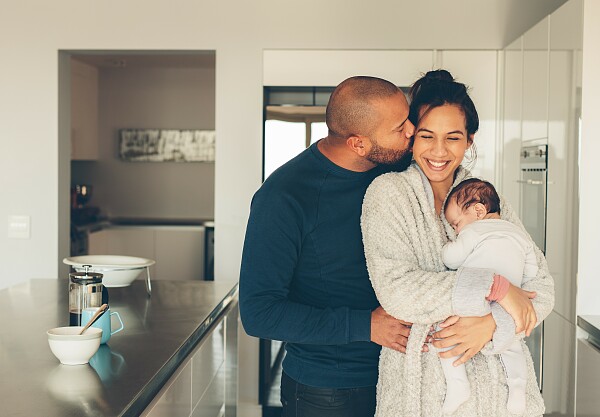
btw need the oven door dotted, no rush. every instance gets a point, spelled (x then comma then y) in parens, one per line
(533, 204)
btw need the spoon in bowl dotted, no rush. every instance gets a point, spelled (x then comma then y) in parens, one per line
(95, 317)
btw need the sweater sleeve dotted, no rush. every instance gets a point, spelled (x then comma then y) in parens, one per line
(455, 253)
(405, 290)
(271, 250)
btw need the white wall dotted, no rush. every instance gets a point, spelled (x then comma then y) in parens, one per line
(589, 169)
(151, 98)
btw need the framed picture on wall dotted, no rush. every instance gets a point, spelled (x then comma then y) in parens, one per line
(167, 145)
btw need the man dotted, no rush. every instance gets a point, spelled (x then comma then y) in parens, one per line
(304, 278)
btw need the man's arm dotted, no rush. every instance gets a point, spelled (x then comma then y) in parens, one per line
(271, 250)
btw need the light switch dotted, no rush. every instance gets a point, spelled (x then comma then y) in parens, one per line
(19, 227)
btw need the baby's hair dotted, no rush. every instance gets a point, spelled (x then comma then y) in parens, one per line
(472, 191)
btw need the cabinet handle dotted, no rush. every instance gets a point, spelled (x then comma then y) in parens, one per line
(531, 182)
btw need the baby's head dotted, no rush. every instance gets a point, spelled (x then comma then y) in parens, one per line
(471, 200)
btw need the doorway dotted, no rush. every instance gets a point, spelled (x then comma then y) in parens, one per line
(153, 208)
(294, 119)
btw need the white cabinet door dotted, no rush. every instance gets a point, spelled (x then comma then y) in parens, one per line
(564, 108)
(177, 250)
(175, 400)
(535, 81)
(98, 242)
(478, 70)
(511, 128)
(126, 241)
(588, 379)
(179, 253)
(131, 241)
(558, 388)
(84, 111)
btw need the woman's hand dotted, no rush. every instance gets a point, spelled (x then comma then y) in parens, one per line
(469, 334)
(517, 303)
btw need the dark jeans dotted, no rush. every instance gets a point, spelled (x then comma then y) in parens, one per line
(301, 400)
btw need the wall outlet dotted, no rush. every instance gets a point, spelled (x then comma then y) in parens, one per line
(19, 227)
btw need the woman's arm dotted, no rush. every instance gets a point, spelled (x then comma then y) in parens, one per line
(394, 230)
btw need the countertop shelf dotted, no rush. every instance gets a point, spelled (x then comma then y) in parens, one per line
(590, 324)
(134, 221)
(125, 375)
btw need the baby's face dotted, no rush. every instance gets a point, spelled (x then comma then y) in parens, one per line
(459, 218)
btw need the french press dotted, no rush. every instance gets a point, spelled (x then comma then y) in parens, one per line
(85, 290)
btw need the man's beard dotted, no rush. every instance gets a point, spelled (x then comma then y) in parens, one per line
(398, 159)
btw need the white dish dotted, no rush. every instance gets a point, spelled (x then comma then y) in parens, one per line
(118, 271)
(70, 347)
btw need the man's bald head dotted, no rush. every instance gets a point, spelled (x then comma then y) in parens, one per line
(350, 110)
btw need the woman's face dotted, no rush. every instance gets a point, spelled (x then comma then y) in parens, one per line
(440, 143)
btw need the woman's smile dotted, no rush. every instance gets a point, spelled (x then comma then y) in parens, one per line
(437, 165)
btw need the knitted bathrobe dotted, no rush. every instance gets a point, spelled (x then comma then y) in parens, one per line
(403, 239)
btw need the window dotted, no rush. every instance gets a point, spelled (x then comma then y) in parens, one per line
(294, 119)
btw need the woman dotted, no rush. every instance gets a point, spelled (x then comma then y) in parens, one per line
(404, 231)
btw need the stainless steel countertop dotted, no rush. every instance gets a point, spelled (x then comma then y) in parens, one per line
(127, 372)
(590, 324)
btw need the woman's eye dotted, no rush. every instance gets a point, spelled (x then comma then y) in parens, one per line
(453, 138)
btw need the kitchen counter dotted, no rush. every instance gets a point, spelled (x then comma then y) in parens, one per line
(590, 324)
(126, 373)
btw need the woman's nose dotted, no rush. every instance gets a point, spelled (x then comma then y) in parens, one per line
(438, 148)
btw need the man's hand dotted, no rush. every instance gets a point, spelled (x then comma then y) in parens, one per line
(469, 334)
(517, 303)
(388, 331)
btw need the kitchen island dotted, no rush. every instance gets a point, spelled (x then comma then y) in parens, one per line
(186, 327)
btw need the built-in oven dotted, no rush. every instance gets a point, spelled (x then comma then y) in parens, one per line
(533, 191)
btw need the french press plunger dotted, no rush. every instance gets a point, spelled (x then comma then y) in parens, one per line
(85, 290)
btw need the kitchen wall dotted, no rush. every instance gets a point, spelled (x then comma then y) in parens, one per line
(150, 98)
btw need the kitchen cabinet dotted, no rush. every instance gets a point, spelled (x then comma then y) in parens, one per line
(177, 250)
(511, 123)
(203, 384)
(588, 370)
(564, 110)
(84, 111)
(542, 104)
(558, 387)
(535, 82)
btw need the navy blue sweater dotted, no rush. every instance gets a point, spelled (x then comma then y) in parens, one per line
(304, 278)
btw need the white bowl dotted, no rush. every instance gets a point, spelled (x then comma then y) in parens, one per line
(70, 347)
(118, 271)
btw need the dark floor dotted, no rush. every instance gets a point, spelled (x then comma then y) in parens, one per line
(273, 407)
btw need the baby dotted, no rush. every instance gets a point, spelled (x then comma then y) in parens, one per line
(485, 241)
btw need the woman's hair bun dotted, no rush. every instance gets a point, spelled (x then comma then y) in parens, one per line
(439, 75)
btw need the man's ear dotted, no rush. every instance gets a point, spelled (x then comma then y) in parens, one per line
(480, 210)
(358, 144)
